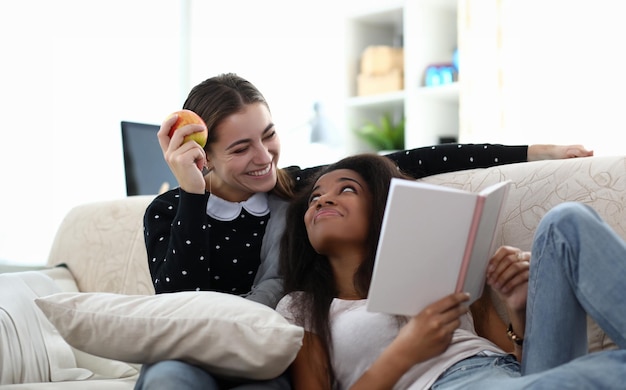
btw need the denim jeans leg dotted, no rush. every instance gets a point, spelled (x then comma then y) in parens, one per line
(174, 374)
(578, 267)
(602, 370)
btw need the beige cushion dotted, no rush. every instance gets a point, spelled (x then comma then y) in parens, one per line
(225, 334)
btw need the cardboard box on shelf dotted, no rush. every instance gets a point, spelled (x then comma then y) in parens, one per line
(375, 84)
(380, 60)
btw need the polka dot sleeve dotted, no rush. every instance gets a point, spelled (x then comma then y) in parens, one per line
(432, 160)
(176, 239)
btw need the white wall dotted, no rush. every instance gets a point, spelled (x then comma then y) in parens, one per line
(575, 86)
(565, 73)
(290, 50)
(72, 70)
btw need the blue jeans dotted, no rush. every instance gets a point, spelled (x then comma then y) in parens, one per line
(578, 267)
(598, 371)
(178, 375)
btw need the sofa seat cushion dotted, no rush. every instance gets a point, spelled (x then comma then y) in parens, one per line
(226, 334)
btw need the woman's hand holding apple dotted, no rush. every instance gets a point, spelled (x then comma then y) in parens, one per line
(186, 117)
(185, 159)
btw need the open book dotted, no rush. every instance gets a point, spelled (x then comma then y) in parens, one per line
(434, 241)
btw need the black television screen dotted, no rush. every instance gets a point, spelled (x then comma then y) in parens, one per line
(146, 171)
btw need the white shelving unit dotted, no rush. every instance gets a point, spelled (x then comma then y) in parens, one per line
(427, 29)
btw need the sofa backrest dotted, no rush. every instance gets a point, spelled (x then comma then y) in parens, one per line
(540, 185)
(102, 245)
(102, 242)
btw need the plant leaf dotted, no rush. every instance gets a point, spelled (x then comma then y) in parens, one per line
(385, 135)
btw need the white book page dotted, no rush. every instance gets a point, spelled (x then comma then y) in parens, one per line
(422, 245)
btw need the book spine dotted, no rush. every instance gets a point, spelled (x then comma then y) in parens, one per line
(469, 246)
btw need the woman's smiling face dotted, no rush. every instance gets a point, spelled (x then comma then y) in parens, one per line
(245, 155)
(339, 211)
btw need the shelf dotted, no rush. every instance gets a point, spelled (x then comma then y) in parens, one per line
(384, 99)
(370, 108)
(427, 30)
(442, 4)
(447, 92)
(389, 15)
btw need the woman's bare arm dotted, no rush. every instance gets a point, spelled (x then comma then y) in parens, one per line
(488, 323)
(309, 370)
(552, 152)
(426, 335)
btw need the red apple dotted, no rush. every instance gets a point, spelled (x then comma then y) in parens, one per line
(186, 117)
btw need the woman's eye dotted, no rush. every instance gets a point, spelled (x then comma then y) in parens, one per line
(348, 189)
(313, 198)
(239, 151)
(270, 135)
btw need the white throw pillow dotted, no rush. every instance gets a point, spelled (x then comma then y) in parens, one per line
(226, 334)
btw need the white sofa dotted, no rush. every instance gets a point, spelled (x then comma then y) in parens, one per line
(101, 244)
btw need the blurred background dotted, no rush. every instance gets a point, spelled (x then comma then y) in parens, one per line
(546, 71)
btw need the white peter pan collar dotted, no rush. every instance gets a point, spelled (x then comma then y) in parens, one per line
(223, 210)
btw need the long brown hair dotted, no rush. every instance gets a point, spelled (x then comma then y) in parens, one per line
(303, 269)
(217, 98)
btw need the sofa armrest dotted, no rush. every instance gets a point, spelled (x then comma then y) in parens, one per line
(102, 245)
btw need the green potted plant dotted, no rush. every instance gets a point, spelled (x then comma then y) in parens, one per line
(385, 135)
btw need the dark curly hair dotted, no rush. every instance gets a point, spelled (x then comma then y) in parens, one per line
(303, 269)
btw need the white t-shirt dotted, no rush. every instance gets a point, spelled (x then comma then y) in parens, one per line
(360, 336)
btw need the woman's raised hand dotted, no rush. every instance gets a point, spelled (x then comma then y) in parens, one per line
(507, 274)
(185, 159)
